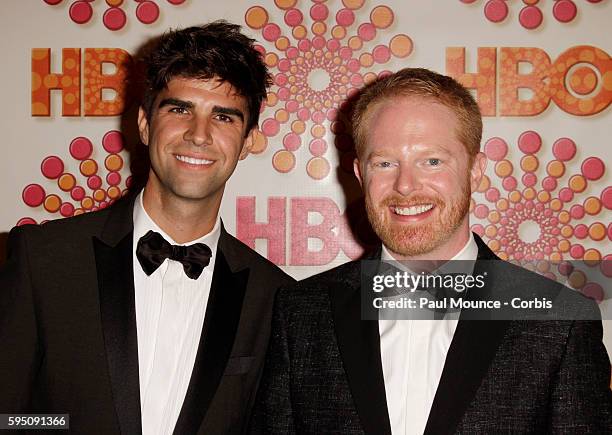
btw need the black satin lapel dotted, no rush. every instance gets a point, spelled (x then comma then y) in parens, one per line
(469, 356)
(359, 343)
(216, 341)
(116, 286)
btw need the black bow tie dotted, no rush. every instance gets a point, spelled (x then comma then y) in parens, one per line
(153, 249)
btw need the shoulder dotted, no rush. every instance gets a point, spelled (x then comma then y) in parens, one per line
(319, 286)
(549, 319)
(61, 230)
(307, 305)
(53, 252)
(347, 273)
(237, 252)
(571, 303)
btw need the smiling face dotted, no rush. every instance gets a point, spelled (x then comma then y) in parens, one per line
(417, 178)
(196, 135)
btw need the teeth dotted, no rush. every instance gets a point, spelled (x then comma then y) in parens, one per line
(193, 160)
(414, 210)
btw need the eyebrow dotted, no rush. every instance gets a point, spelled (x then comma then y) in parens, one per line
(232, 111)
(384, 153)
(229, 111)
(373, 155)
(175, 102)
(381, 153)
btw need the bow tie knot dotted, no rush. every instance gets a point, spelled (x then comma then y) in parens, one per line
(153, 249)
(178, 252)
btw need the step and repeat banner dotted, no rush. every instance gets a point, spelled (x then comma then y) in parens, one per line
(541, 72)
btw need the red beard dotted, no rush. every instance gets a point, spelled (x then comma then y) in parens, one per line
(409, 239)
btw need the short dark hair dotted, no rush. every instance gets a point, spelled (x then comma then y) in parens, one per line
(426, 84)
(214, 50)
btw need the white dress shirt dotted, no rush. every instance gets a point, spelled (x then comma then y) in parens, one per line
(170, 309)
(413, 353)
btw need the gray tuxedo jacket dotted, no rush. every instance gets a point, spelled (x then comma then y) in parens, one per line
(323, 373)
(68, 328)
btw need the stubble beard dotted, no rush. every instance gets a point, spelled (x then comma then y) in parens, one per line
(410, 240)
(173, 192)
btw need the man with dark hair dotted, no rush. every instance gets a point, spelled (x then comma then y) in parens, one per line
(148, 316)
(332, 369)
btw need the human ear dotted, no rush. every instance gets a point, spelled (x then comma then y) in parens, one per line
(143, 126)
(249, 141)
(479, 165)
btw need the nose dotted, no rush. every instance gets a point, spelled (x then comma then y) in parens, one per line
(408, 180)
(198, 132)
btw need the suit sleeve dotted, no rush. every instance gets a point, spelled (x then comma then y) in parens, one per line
(20, 353)
(581, 399)
(273, 411)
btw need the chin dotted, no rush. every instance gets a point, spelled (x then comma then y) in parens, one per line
(190, 194)
(410, 243)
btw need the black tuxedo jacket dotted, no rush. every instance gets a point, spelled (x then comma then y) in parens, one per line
(68, 328)
(323, 371)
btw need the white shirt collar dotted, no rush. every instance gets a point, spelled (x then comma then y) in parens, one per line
(143, 223)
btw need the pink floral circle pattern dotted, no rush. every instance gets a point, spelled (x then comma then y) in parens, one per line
(114, 17)
(530, 15)
(95, 189)
(543, 211)
(317, 62)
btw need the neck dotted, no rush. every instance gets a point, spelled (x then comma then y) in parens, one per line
(182, 219)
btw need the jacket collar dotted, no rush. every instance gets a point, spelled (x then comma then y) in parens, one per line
(113, 253)
(469, 357)
(470, 354)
